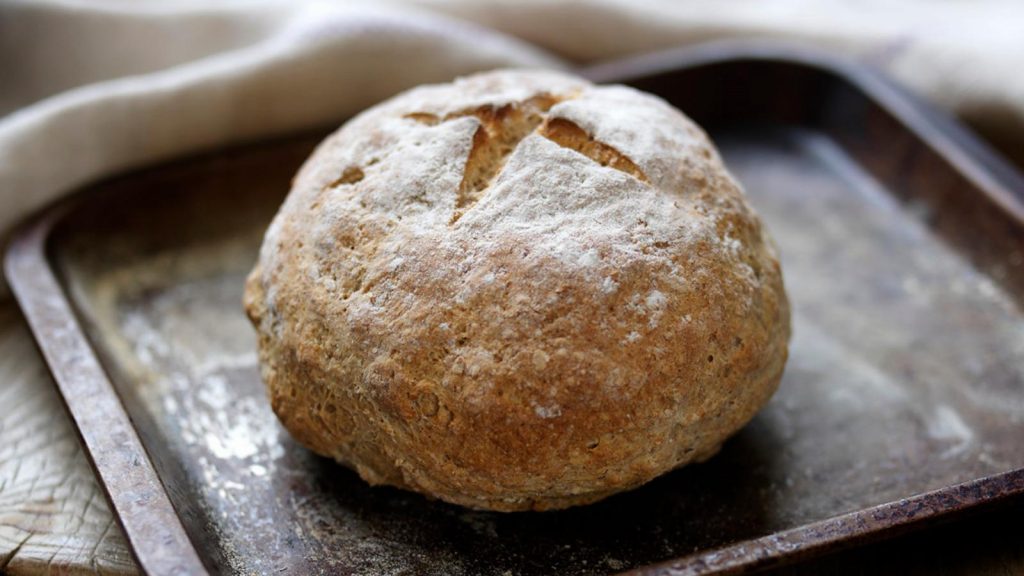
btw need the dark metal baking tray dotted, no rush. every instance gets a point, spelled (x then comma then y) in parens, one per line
(902, 403)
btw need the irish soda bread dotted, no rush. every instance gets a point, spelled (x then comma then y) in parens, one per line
(517, 291)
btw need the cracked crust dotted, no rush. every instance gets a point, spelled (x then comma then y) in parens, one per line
(517, 291)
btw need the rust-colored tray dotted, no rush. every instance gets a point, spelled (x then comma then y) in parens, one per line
(903, 400)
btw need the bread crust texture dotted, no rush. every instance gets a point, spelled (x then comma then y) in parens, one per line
(517, 291)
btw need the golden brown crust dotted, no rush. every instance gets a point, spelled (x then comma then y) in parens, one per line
(518, 291)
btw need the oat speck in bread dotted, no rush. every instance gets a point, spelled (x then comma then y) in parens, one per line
(517, 291)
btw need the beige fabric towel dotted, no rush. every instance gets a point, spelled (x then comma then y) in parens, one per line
(91, 89)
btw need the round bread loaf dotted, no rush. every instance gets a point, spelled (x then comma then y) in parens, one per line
(517, 291)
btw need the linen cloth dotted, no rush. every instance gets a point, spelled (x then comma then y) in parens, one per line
(88, 89)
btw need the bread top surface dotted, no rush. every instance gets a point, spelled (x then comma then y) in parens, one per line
(519, 271)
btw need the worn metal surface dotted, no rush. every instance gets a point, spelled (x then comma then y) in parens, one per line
(903, 254)
(131, 484)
